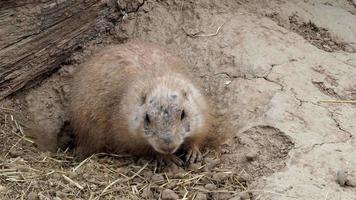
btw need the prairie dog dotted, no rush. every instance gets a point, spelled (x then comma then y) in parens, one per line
(139, 99)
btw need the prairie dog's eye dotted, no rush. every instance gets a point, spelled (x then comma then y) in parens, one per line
(147, 120)
(182, 115)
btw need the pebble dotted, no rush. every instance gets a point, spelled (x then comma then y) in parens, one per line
(14, 153)
(147, 193)
(157, 177)
(351, 181)
(171, 185)
(221, 196)
(194, 166)
(251, 156)
(168, 194)
(201, 196)
(210, 186)
(244, 196)
(221, 176)
(244, 178)
(211, 164)
(341, 177)
(349, 49)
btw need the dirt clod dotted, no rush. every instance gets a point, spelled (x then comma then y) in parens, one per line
(351, 182)
(221, 176)
(147, 193)
(251, 156)
(244, 195)
(211, 164)
(210, 186)
(201, 196)
(168, 194)
(341, 177)
(221, 196)
(157, 178)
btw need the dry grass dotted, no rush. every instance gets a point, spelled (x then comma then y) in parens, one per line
(26, 172)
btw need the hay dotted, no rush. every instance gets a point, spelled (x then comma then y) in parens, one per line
(25, 170)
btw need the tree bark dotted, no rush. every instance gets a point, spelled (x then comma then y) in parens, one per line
(37, 36)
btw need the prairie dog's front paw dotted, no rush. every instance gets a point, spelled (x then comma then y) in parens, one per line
(193, 155)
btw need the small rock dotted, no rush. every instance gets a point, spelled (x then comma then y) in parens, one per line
(32, 196)
(251, 156)
(221, 176)
(157, 177)
(147, 174)
(168, 194)
(349, 49)
(244, 178)
(14, 153)
(244, 196)
(171, 185)
(211, 164)
(221, 196)
(210, 186)
(61, 194)
(351, 182)
(225, 151)
(201, 196)
(147, 193)
(194, 166)
(341, 177)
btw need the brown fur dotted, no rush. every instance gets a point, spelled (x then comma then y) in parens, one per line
(113, 86)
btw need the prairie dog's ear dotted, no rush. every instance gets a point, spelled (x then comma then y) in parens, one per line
(143, 99)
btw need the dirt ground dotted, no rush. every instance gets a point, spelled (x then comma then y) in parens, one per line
(270, 66)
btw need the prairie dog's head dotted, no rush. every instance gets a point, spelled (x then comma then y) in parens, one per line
(170, 114)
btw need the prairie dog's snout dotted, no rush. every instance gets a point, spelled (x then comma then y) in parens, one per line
(165, 120)
(167, 146)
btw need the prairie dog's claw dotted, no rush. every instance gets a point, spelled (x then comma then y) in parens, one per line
(165, 160)
(193, 156)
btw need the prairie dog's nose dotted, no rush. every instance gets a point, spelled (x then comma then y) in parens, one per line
(166, 139)
(168, 149)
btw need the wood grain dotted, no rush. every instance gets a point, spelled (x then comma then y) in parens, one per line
(36, 36)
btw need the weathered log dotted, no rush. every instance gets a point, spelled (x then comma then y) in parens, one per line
(37, 36)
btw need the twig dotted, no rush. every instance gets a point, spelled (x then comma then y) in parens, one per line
(73, 182)
(185, 194)
(13, 146)
(125, 180)
(338, 101)
(206, 35)
(326, 196)
(98, 154)
(82, 163)
(7, 109)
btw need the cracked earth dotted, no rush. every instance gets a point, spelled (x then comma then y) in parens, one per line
(270, 68)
